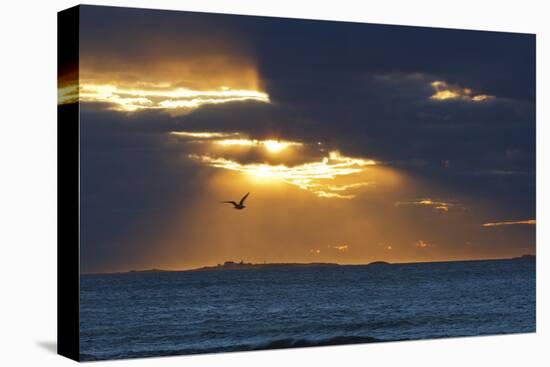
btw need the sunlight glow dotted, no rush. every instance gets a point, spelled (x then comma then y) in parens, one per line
(307, 176)
(272, 146)
(238, 142)
(275, 146)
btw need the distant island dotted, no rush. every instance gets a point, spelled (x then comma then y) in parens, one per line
(150, 271)
(233, 265)
(378, 263)
(525, 257)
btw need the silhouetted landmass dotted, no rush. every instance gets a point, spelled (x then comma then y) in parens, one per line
(232, 265)
(149, 271)
(378, 263)
(525, 257)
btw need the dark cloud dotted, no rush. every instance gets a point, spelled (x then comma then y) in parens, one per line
(499, 63)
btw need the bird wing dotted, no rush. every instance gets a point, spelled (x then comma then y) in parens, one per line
(244, 198)
(230, 202)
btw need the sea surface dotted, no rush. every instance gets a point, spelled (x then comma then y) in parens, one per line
(171, 313)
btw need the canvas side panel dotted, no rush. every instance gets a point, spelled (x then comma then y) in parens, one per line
(68, 240)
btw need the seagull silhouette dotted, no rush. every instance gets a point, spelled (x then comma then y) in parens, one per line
(238, 205)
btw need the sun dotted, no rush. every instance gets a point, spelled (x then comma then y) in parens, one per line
(274, 146)
(271, 146)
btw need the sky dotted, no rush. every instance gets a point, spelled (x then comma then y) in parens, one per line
(357, 142)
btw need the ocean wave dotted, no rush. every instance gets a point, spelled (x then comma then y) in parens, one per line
(304, 342)
(271, 344)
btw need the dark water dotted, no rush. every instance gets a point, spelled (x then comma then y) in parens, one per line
(152, 314)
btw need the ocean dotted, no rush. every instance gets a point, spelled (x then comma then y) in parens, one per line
(144, 314)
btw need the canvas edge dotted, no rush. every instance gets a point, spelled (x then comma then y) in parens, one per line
(68, 202)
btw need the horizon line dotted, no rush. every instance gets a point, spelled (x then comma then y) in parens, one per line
(307, 263)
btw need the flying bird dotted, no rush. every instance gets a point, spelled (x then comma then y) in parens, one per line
(240, 204)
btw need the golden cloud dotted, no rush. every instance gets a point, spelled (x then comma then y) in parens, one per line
(510, 223)
(202, 134)
(67, 94)
(232, 139)
(271, 145)
(67, 87)
(436, 205)
(444, 91)
(340, 248)
(334, 191)
(178, 80)
(327, 194)
(350, 186)
(163, 96)
(308, 176)
(422, 244)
